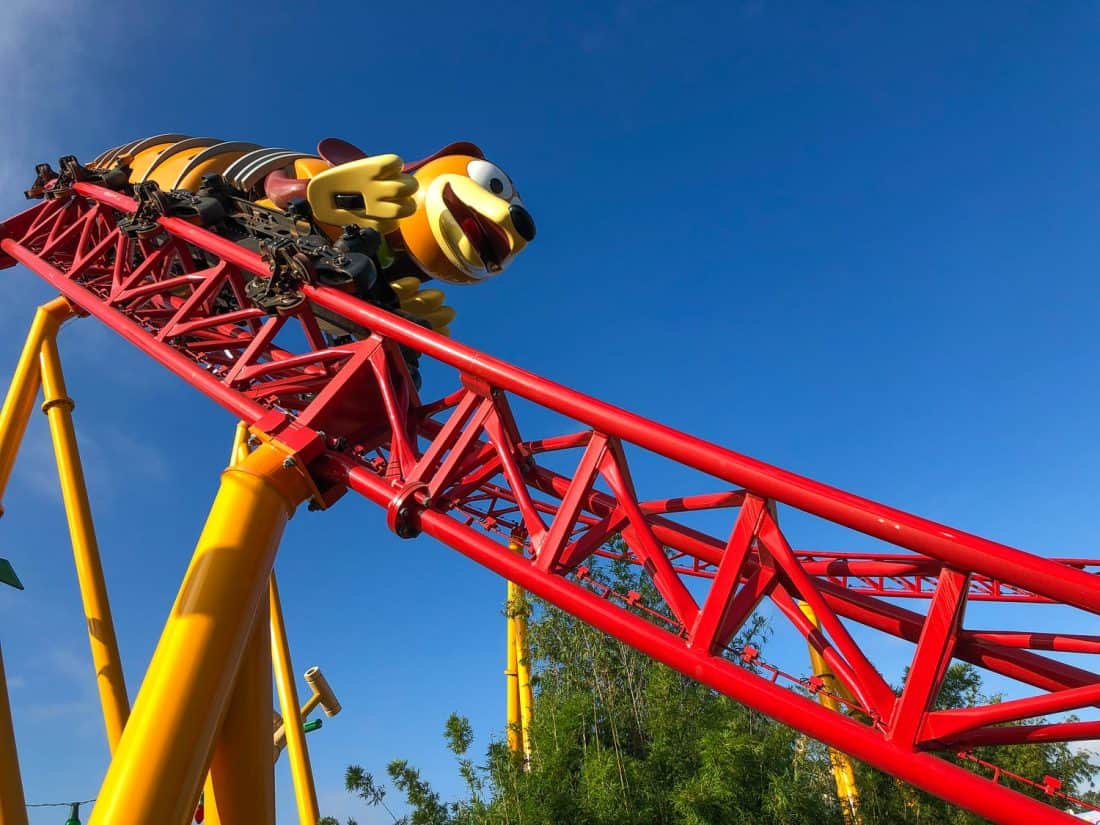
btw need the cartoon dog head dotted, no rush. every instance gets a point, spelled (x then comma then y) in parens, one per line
(469, 222)
(465, 221)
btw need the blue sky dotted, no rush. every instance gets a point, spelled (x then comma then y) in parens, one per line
(857, 241)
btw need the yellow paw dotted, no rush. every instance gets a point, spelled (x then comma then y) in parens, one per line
(372, 191)
(425, 304)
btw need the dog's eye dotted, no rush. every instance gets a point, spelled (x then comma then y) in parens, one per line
(490, 176)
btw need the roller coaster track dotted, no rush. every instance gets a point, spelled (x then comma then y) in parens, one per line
(460, 469)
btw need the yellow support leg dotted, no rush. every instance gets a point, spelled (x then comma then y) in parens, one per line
(297, 751)
(13, 809)
(19, 401)
(14, 415)
(240, 444)
(511, 679)
(157, 772)
(843, 773)
(523, 673)
(241, 786)
(520, 696)
(89, 569)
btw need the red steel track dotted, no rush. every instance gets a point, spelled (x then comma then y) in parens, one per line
(460, 470)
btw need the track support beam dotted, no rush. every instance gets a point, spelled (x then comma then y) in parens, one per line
(297, 750)
(13, 808)
(157, 772)
(110, 681)
(19, 401)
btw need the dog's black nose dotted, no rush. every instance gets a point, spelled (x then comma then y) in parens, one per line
(523, 222)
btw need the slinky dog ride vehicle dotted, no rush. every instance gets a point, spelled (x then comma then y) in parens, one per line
(372, 225)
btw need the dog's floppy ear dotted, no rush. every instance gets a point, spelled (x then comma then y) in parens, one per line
(462, 147)
(337, 151)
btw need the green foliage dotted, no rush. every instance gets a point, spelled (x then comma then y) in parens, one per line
(619, 739)
(885, 799)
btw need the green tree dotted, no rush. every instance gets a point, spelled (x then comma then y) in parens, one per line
(619, 739)
(885, 799)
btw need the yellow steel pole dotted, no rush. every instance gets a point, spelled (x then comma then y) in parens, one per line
(297, 751)
(89, 569)
(241, 787)
(511, 678)
(523, 672)
(843, 772)
(279, 736)
(19, 401)
(13, 808)
(517, 611)
(157, 772)
(14, 415)
(240, 444)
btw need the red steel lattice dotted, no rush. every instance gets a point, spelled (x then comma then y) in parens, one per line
(460, 470)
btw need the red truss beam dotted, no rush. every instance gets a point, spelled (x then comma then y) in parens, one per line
(460, 470)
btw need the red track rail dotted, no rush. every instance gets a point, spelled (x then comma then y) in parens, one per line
(460, 470)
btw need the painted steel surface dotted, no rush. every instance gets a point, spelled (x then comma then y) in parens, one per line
(13, 809)
(241, 784)
(158, 770)
(305, 794)
(459, 469)
(110, 680)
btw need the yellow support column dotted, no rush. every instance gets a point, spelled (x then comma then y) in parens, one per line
(521, 713)
(13, 809)
(240, 444)
(523, 673)
(19, 401)
(14, 415)
(157, 772)
(511, 678)
(240, 787)
(89, 569)
(843, 772)
(297, 752)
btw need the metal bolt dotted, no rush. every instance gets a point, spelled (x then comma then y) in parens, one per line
(289, 462)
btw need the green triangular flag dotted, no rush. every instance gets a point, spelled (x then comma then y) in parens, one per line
(7, 575)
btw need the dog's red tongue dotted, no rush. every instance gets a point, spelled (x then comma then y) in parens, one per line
(337, 151)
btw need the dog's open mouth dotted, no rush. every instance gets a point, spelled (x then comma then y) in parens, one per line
(488, 240)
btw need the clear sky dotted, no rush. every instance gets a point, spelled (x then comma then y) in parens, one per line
(858, 240)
